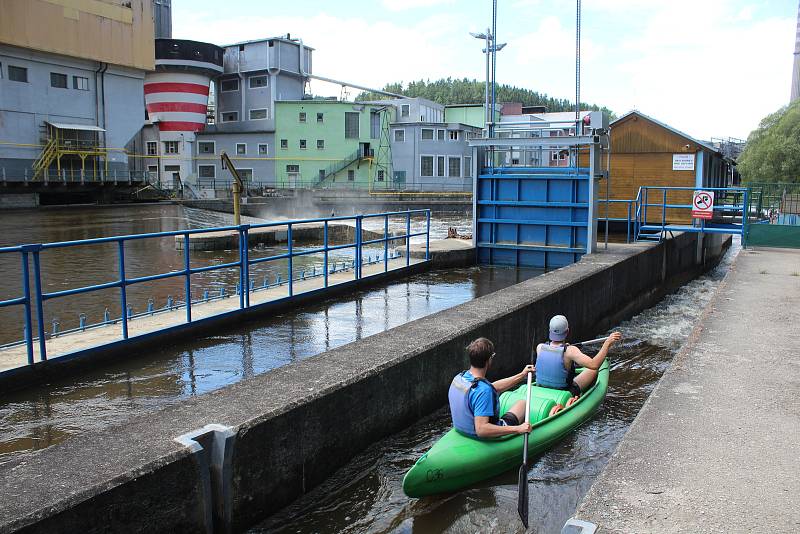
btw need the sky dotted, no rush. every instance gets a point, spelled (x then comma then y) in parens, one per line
(706, 67)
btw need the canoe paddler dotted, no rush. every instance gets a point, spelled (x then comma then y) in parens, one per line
(556, 361)
(474, 401)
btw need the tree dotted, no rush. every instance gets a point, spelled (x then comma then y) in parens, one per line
(448, 91)
(772, 152)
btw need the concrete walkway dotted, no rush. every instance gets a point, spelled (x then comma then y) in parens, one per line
(716, 448)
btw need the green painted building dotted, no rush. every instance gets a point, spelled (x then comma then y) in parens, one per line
(327, 143)
(470, 114)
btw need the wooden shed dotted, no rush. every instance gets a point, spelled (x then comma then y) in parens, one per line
(645, 151)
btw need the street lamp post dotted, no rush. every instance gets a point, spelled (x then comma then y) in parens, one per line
(489, 47)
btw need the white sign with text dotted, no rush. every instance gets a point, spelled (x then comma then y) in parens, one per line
(683, 162)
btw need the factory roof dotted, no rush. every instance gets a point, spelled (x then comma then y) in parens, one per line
(265, 39)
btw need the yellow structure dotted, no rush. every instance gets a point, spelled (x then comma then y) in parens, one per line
(69, 143)
(77, 27)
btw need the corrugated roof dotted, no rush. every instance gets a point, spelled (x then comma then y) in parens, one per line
(668, 127)
(83, 127)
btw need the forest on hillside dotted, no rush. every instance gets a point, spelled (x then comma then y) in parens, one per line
(448, 91)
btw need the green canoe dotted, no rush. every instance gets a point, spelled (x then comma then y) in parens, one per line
(457, 461)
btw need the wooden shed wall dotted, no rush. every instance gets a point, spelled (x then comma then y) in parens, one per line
(641, 154)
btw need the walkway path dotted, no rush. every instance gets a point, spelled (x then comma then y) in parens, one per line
(716, 448)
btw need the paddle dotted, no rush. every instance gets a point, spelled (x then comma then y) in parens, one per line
(522, 485)
(592, 341)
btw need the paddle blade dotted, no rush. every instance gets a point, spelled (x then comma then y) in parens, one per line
(522, 492)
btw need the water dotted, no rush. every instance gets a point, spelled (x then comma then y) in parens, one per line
(366, 495)
(43, 416)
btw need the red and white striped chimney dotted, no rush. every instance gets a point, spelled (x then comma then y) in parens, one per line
(176, 94)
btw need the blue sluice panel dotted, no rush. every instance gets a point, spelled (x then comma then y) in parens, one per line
(532, 216)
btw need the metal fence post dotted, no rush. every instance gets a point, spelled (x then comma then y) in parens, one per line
(290, 258)
(386, 244)
(246, 250)
(628, 225)
(408, 238)
(325, 254)
(428, 236)
(123, 290)
(663, 211)
(188, 282)
(26, 289)
(37, 284)
(358, 247)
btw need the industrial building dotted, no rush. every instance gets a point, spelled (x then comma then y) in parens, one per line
(256, 74)
(70, 109)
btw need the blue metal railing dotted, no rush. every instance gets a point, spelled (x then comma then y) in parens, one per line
(627, 220)
(245, 286)
(729, 200)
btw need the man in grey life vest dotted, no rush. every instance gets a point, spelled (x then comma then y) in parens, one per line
(556, 361)
(474, 401)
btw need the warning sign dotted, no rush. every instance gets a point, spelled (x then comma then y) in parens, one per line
(703, 204)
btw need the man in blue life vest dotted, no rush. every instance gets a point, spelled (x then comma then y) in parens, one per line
(556, 361)
(474, 401)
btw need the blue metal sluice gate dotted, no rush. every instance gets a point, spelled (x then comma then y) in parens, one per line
(535, 203)
(33, 298)
(532, 216)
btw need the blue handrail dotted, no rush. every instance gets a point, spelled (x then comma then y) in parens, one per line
(32, 252)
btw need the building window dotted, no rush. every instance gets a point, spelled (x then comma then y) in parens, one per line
(152, 148)
(80, 83)
(454, 167)
(284, 143)
(245, 174)
(170, 147)
(230, 116)
(427, 134)
(404, 110)
(453, 135)
(227, 86)
(467, 166)
(206, 147)
(440, 135)
(351, 175)
(241, 149)
(320, 117)
(207, 171)
(399, 136)
(258, 81)
(381, 175)
(351, 125)
(303, 144)
(301, 116)
(322, 174)
(400, 176)
(321, 144)
(439, 165)
(258, 114)
(426, 165)
(152, 170)
(58, 80)
(263, 149)
(293, 168)
(17, 74)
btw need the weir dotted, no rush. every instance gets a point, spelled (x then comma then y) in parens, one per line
(282, 433)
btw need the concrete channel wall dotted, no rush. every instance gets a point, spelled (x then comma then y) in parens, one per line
(277, 435)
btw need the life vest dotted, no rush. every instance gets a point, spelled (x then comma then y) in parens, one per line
(550, 371)
(460, 409)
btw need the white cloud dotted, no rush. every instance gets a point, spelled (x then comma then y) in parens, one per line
(403, 5)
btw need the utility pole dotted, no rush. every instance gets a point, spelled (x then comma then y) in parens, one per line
(796, 71)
